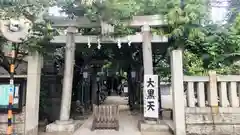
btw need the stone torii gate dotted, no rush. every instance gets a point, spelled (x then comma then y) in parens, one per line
(34, 69)
(145, 37)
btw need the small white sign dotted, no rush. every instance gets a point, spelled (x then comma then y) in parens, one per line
(150, 93)
(16, 91)
(125, 89)
(15, 101)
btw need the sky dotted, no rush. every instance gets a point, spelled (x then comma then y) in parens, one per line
(218, 13)
(55, 11)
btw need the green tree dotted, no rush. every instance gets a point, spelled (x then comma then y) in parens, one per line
(39, 36)
(188, 27)
(182, 24)
(233, 10)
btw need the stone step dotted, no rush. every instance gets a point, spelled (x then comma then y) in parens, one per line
(55, 133)
(64, 126)
(156, 133)
(152, 128)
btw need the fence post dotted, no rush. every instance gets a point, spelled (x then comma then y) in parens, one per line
(178, 93)
(212, 90)
(233, 98)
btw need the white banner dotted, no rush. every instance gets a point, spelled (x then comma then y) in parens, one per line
(150, 93)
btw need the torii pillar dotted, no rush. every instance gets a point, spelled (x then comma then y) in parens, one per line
(147, 55)
(68, 76)
(149, 125)
(147, 50)
(65, 124)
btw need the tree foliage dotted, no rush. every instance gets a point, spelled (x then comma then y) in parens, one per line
(39, 36)
(233, 10)
(207, 46)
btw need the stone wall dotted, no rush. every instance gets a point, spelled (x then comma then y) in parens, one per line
(213, 121)
(18, 123)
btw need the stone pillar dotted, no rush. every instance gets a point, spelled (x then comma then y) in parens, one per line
(68, 74)
(33, 93)
(147, 50)
(212, 92)
(65, 124)
(147, 54)
(178, 93)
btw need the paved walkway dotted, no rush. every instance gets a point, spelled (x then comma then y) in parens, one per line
(128, 123)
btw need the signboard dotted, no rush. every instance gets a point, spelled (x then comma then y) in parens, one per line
(125, 89)
(4, 94)
(150, 93)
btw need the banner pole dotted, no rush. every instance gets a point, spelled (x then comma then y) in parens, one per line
(11, 91)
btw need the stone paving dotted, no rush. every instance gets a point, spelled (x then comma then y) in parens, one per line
(128, 123)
